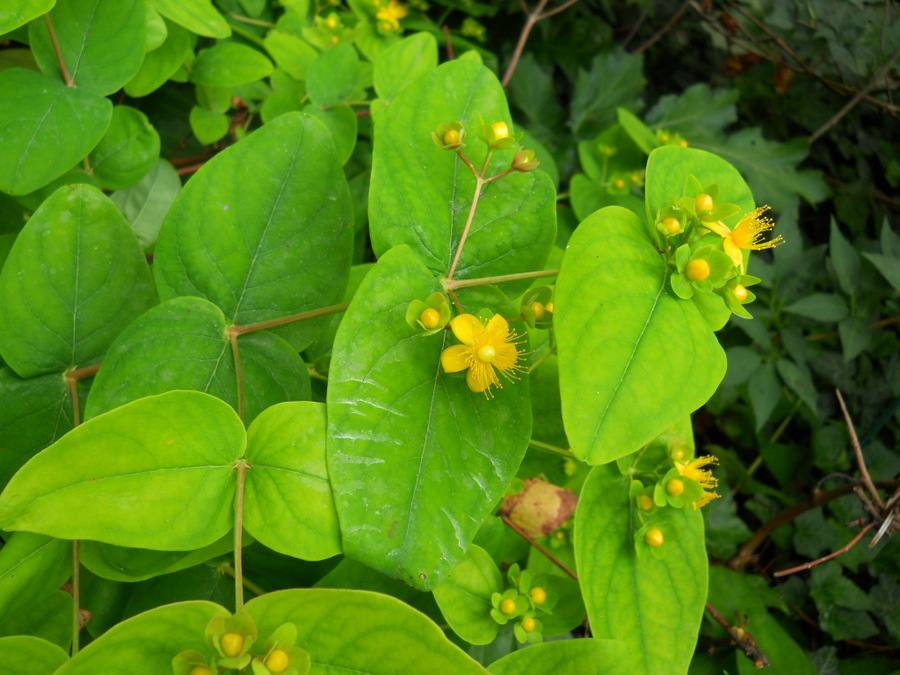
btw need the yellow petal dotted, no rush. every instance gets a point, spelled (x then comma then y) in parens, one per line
(718, 227)
(481, 376)
(498, 326)
(455, 358)
(734, 252)
(467, 329)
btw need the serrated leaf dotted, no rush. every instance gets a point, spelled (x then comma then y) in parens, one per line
(405, 641)
(37, 111)
(515, 224)
(73, 280)
(614, 80)
(157, 473)
(229, 64)
(101, 42)
(264, 230)
(288, 504)
(613, 339)
(653, 606)
(403, 63)
(198, 16)
(127, 151)
(416, 437)
(697, 113)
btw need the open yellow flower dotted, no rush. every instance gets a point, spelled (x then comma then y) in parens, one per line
(483, 348)
(391, 12)
(704, 477)
(745, 235)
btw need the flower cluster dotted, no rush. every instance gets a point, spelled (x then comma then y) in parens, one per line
(522, 602)
(709, 257)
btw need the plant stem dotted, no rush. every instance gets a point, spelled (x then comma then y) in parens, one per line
(552, 449)
(283, 321)
(59, 57)
(76, 597)
(531, 18)
(451, 285)
(241, 467)
(479, 182)
(543, 358)
(830, 556)
(238, 370)
(254, 588)
(76, 404)
(540, 548)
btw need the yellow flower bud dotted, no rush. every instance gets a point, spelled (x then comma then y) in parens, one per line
(508, 606)
(675, 487)
(538, 594)
(549, 307)
(451, 137)
(654, 537)
(232, 644)
(672, 225)
(645, 503)
(538, 310)
(200, 670)
(619, 184)
(703, 202)
(430, 318)
(697, 270)
(500, 130)
(740, 293)
(277, 661)
(528, 625)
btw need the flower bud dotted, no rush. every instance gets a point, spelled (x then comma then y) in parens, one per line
(654, 537)
(703, 202)
(741, 293)
(697, 270)
(525, 161)
(538, 594)
(449, 136)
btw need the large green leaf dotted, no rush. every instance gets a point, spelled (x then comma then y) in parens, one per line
(361, 632)
(416, 460)
(35, 412)
(38, 112)
(465, 597)
(420, 195)
(288, 504)
(333, 76)
(264, 229)
(26, 655)
(147, 642)
(50, 619)
(403, 63)
(73, 280)
(127, 152)
(160, 64)
(101, 42)
(32, 567)
(181, 344)
(157, 473)
(198, 16)
(654, 606)
(15, 13)
(633, 357)
(567, 657)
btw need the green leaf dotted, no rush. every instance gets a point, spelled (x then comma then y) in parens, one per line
(403, 63)
(32, 568)
(26, 655)
(434, 457)
(856, 337)
(160, 64)
(567, 657)
(799, 379)
(824, 307)
(615, 338)
(229, 64)
(638, 131)
(156, 30)
(198, 16)
(465, 597)
(181, 344)
(264, 230)
(288, 504)
(136, 564)
(515, 224)
(654, 606)
(146, 203)
(101, 42)
(209, 126)
(147, 641)
(888, 266)
(49, 620)
(730, 592)
(333, 76)
(668, 168)
(157, 473)
(127, 152)
(698, 113)
(764, 391)
(37, 111)
(73, 280)
(291, 53)
(342, 123)
(615, 80)
(379, 634)
(15, 13)
(845, 259)
(35, 412)
(287, 96)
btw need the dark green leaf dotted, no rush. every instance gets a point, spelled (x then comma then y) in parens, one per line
(845, 259)
(615, 80)
(824, 307)
(888, 266)
(160, 64)
(127, 151)
(32, 567)
(26, 655)
(118, 563)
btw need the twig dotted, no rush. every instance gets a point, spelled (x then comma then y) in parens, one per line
(530, 19)
(876, 324)
(450, 54)
(274, 323)
(665, 29)
(540, 548)
(830, 556)
(744, 640)
(637, 24)
(238, 371)
(59, 57)
(451, 284)
(881, 72)
(857, 450)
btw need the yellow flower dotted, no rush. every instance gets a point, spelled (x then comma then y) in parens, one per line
(391, 13)
(483, 348)
(745, 235)
(702, 476)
